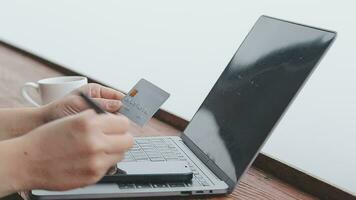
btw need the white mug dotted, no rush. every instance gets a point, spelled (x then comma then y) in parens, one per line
(51, 89)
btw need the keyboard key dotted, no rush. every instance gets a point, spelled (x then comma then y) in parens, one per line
(127, 160)
(139, 150)
(199, 177)
(172, 159)
(204, 183)
(136, 155)
(151, 151)
(176, 184)
(157, 159)
(156, 154)
(159, 185)
(139, 154)
(171, 146)
(140, 142)
(126, 186)
(146, 145)
(157, 140)
(161, 145)
(127, 156)
(142, 159)
(142, 186)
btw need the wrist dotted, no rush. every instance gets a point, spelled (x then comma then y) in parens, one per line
(20, 164)
(11, 169)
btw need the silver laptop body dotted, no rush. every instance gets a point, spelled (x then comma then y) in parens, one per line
(235, 119)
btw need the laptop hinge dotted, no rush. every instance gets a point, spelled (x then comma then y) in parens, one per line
(208, 162)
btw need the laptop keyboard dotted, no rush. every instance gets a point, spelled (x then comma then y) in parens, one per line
(160, 150)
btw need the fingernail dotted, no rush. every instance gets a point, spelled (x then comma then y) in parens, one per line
(113, 105)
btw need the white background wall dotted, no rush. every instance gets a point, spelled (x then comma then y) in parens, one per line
(184, 45)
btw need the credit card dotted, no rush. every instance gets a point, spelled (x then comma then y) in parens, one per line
(142, 102)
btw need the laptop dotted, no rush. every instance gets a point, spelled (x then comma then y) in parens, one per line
(235, 119)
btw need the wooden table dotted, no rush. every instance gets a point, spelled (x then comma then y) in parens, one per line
(18, 67)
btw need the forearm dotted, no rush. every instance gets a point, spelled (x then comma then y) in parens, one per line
(18, 121)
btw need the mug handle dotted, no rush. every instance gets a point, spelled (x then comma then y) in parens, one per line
(27, 96)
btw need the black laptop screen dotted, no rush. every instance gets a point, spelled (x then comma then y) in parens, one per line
(254, 90)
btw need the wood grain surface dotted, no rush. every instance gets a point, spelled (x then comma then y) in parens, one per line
(17, 68)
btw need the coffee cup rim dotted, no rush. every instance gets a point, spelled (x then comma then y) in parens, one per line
(55, 80)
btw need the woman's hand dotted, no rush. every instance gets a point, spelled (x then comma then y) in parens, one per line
(71, 152)
(19, 121)
(108, 98)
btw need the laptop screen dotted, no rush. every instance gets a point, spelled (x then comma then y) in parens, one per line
(253, 92)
